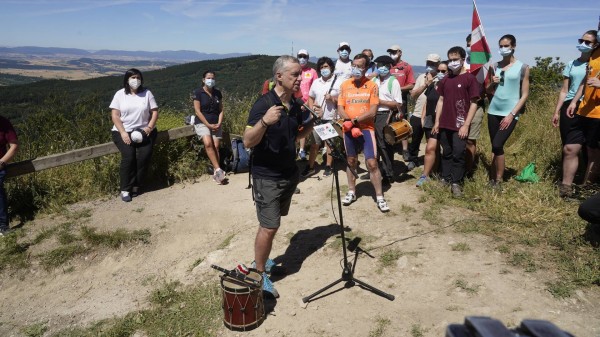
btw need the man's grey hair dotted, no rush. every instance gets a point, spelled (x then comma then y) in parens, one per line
(282, 62)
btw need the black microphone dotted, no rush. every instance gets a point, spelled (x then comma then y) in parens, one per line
(238, 276)
(312, 112)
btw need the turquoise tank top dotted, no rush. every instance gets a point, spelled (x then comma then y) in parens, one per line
(507, 92)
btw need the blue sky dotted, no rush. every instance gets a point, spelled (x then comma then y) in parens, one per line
(542, 28)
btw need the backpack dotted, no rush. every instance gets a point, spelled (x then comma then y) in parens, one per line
(390, 84)
(241, 156)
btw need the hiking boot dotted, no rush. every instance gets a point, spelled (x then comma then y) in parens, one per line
(268, 286)
(382, 205)
(219, 176)
(349, 198)
(125, 196)
(456, 190)
(411, 166)
(327, 172)
(308, 171)
(565, 191)
(302, 155)
(421, 181)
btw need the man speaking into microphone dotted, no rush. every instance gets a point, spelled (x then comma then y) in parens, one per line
(275, 121)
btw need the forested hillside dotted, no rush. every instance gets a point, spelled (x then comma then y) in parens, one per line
(172, 86)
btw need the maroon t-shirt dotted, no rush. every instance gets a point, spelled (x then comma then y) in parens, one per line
(457, 92)
(7, 135)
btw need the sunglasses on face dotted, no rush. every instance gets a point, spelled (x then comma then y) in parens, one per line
(393, 52)
(442, 71)
(302, 56)
(588, 43)
(345, 48)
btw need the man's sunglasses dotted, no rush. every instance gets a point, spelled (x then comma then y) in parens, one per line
(345, 48)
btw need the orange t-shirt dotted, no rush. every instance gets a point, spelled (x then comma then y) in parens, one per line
(357, 100)
(590, 105)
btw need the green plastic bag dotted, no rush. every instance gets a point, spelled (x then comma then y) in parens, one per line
(528, 174)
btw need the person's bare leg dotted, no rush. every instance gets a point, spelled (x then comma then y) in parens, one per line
(591, 174)
(212, 154)
(217, 143)
(430, 156)
(262, 246)
(375, 176)
(312, 155)
(500, 165)
(351, 180)
(570, 163)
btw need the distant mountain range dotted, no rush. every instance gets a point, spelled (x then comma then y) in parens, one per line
(178, 56)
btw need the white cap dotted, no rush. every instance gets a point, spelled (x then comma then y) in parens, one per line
(433, 58)
(342, 44)
(137, 137)
(303, 52)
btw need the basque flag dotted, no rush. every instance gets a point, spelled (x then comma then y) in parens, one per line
(481, 57)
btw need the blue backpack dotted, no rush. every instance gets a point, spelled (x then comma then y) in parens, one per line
(241, 156)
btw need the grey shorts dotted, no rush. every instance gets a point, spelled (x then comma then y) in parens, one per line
(273, 199)
(203, 130)
(475, 128)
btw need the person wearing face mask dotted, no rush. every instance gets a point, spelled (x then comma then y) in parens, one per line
(510, 85)
(208, 105)
(322, 98)
(390, 98)
(571, 132)
(343, 65)
(372, 68)
(133, 108)
(404, 74)
(589, 111)
(475, 129)
(428, 116)
(418, 94)
(357, 105)
(459, 92)
(308, 76)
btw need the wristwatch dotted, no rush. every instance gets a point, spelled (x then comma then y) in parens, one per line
(513, 113)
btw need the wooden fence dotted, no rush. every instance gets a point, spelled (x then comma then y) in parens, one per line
(90, 152)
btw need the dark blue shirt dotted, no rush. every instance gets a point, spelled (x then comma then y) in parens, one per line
(275, 156)
(209, 105)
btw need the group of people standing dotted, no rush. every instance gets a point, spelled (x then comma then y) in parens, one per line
(366, 94)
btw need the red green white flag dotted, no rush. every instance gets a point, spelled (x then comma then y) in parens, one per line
(480, 50)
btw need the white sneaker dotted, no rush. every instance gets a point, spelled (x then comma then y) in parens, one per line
(349, 198)
(382, 205)
(219, 176)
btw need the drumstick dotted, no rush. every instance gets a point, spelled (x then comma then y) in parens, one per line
(234, 274)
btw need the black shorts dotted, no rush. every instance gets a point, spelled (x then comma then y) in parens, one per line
(273, 199)
(591, 131)
(571, 131)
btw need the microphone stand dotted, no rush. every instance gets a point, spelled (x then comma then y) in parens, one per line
(348, 270)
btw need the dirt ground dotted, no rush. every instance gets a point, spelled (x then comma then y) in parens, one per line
(433, 284)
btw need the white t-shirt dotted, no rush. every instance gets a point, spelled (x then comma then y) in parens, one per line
(319, 89)
(343, 70)
(418, 111)
(135, 109)
(385, 94)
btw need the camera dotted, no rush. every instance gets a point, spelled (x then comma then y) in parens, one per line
(479, 326)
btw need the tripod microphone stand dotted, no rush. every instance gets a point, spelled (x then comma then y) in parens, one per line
(348, 270)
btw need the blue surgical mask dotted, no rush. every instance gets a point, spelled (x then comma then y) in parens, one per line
(383, 71)
(439, 76)
(428, 69)
(325, 72)
(584, 48)
(344, 54)
(505, 51)
(356, 73)
(302, 61)
(209, 82)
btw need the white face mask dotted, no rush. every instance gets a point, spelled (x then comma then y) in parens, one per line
(454, 65)
(134, 83)
(395, 57)
(505, 51)
(210, 82)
